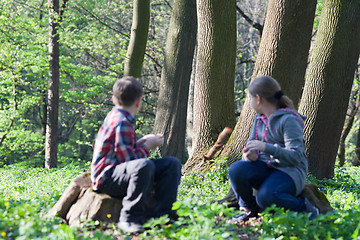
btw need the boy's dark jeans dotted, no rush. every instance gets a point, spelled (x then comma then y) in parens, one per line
(274, 187)
(148, 187)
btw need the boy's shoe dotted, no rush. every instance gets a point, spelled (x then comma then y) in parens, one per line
(311, 209)
(131, 227)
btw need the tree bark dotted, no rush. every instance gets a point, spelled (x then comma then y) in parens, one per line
(175, 79)
(214, 77)
(139, 34)
(51, 142)
(328, 83)
(283, 54)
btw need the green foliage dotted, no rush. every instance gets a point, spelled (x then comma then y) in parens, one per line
(22, 145)
(27, 194)
(343, 189)
(342, 224)
(211, 184)
(319, 6)
(93, 42)
(197, 220)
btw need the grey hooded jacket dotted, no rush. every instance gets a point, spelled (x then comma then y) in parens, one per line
(285, 147)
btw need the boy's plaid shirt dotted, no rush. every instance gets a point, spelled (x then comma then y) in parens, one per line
(115, 144)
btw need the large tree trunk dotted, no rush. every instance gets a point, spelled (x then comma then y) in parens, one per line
(328, 83)
(51, 142)
(283, 54)
(214, 78)
(139, 33)
(175, 78)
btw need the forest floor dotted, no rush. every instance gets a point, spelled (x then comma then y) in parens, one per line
(28, 193)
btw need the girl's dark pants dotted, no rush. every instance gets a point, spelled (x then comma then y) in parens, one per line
(274, 186)
(148, 187)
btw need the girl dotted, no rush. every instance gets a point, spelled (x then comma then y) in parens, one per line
(274, 162)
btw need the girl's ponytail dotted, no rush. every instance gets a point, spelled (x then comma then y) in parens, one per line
(269, 89)
(285, 102)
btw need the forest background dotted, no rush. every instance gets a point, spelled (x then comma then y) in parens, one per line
(94, 37)
(93, 42)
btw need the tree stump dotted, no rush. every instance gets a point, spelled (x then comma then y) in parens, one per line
(79, 203)
(316, 197)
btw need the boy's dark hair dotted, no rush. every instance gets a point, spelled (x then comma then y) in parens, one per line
(126, 90)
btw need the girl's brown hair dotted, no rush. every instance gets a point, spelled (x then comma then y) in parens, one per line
(269, 89)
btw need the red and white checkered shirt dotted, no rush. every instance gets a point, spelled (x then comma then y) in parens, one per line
(115, 144)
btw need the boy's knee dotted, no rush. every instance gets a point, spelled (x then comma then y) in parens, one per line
(145, 166)
(175, 166)
(175, 162)
(172, 163)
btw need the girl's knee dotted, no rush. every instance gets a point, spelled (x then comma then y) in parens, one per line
(236, 170)
(265, 198)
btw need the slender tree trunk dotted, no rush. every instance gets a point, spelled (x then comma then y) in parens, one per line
(51, 142)
(354, 108)
(43, 96)
(43, 111)
(328, 83)
(175, 78)
(190, 108)
(356, 160)
(139, 34)
(283, 54)
(214, 79)
(13, 117)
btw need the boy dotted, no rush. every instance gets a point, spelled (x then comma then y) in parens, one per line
(120, 167)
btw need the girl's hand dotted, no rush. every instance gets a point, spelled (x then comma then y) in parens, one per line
(250, 155)
(255, 145)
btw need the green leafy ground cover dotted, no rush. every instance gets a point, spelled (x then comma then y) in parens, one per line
(27, 193)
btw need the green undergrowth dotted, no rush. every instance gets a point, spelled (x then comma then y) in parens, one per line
(27, 194)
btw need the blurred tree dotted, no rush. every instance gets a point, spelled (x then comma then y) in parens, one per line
(353, 109)
(51, 140)
(139, 35)
(175, 78)
(214, 77)
(283, 54)
(328, 83)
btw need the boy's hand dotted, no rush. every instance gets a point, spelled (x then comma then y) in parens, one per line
(140, 142)
(152, 141)
(143, 139)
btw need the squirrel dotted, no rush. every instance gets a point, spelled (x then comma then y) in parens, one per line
(218, 144)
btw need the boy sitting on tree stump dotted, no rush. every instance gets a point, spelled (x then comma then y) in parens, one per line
(121, 169)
